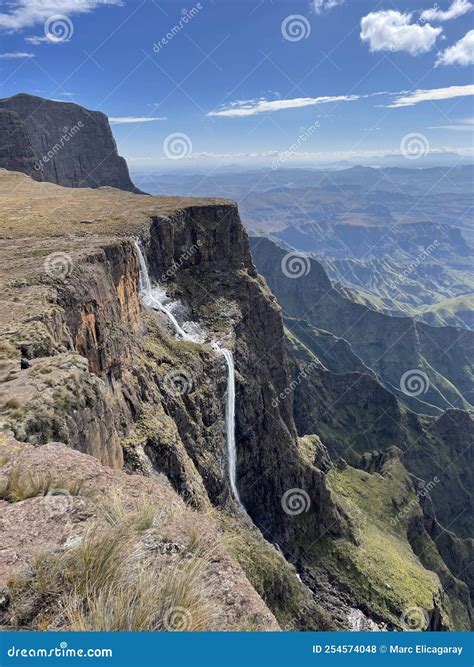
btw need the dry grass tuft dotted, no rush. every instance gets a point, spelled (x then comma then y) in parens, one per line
(22, 484)
(111, 582)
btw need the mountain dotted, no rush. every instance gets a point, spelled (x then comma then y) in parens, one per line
(401, 238)
(93, 373)
(427, 368)
(60, 142)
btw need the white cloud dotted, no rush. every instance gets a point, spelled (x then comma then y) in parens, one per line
(120, 120)
(461, 53)
(464, 125)
(320, 6)
(27, 13)
(252, 107)
(16, 55)
(433, 94)
(35, 40)
(390, 30)
(458, 8)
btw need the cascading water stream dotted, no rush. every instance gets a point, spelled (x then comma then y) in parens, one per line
(150, 296)
(230, 419)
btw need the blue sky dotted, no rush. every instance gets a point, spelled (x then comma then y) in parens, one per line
(245, 80)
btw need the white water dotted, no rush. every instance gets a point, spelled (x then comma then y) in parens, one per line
(230, 419)
(156, 298)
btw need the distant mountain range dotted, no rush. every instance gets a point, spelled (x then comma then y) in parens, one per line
(399, 239)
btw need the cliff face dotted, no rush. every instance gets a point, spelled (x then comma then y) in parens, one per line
(85, 363)
(16, 151)
(65, 144)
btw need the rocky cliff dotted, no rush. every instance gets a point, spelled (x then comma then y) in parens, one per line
(61, 143)
(85, 363)
(16, 151)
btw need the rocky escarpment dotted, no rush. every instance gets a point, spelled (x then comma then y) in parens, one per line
(83, 362)
(61, 143)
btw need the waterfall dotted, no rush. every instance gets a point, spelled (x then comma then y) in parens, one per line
(230, 419)
(155, 297)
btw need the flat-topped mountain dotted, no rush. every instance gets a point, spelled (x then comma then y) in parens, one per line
(60, 142)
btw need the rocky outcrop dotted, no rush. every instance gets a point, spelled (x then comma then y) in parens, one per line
(79, 497)
(61, 143)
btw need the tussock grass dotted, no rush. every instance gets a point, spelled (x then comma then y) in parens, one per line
(110, 582)
(115, 513)
(21, 484)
